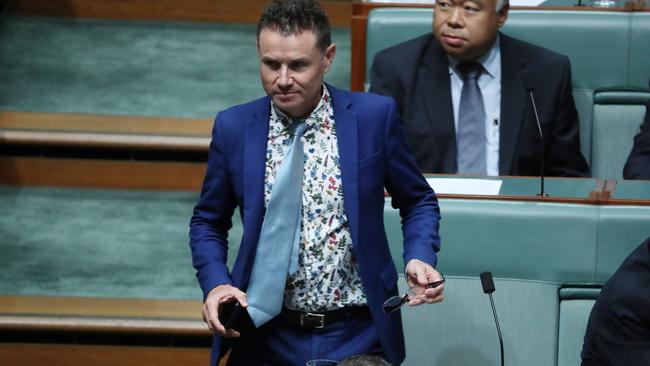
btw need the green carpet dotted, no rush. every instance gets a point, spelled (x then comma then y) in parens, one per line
(82, 242)
(146, 68)
(89, 242)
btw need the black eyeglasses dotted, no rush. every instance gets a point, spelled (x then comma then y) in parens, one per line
(396, 302)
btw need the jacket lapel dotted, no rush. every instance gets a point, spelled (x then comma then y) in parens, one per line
(347, 139)
(257, 130)
(434, 88)
(513, 102)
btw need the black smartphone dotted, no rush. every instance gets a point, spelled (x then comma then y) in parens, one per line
(230, 314)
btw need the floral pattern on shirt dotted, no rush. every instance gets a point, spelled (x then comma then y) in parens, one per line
(327, 277)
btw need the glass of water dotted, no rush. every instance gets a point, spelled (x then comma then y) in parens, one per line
(321, 362)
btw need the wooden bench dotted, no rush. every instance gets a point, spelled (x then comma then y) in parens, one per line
(37, 330)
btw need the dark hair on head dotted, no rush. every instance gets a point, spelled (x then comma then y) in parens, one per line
(364, 360)
(295, 16)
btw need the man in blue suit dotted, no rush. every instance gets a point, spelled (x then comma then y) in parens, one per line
(354, 148)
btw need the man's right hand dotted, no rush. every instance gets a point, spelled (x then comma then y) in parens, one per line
(216, 298)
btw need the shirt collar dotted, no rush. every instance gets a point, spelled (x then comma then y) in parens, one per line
(280, 120)
(491, 61)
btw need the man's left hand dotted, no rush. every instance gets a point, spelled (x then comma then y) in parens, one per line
(418, 275)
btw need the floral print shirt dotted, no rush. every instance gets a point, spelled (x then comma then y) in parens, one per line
(327, 276)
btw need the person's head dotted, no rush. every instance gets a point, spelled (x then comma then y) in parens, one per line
(467, 29)
(364, 360)
(295, 51)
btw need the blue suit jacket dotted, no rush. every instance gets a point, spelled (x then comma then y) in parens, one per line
(373, 156)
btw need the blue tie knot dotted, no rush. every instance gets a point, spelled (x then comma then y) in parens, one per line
(470, 70)
(297, 128)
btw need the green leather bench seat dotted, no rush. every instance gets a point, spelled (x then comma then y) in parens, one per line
(574, 315)
(575, 307)
(620, 230)
(608, 53)
(542, 254)
(460, 331)
(524, 240)
(632, 190)
(617, 118)
(639, 58)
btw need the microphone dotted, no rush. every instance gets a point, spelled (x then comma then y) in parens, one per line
(530, 89)
(488, 288)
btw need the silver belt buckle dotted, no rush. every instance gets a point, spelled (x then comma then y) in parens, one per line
(320, 317)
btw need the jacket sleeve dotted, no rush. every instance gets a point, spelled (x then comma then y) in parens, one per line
(638, 162)
(384, 79)
(563, 155)
(412, 195)
(212, 217)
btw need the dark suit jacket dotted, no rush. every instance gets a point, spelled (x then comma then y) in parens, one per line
(618, 332)
(416, 74)
(373, 156)
(638, 163)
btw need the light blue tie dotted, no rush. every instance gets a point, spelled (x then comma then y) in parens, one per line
(471, 122)
(277, 249)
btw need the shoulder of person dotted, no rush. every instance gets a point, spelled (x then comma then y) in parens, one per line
(367, 100)
(245, 110)
(413, 46)
(534, 53)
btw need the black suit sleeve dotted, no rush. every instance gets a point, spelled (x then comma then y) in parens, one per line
(624, 332)
(564, 157)
(384, 81)
(638, 162)
(618, 331)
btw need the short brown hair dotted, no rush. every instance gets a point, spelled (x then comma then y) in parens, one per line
(296, 16)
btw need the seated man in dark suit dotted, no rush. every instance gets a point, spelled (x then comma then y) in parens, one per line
(618, 332)
(464, 95)
(638, 163)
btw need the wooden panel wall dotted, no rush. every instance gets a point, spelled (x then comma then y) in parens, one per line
(96, 173)
(240, 11)
(20, 354)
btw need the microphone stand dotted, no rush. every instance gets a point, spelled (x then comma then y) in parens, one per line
(496, 320)
(541, 137)
(488, 287)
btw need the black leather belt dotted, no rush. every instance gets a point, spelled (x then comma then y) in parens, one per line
(315, 320)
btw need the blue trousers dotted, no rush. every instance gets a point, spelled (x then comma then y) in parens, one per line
(280, 344)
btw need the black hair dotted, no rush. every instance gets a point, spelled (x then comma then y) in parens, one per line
(364, 360)
(295, 16)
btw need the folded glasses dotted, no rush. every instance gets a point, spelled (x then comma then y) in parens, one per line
(396, 302)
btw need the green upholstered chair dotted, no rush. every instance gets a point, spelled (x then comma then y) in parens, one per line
(620, 230)
(460, 331)
(617, 117)
(542, 255)
(519, 240)
(593, 42)
(575, 306)
(390, 26)
(639, 59)
(531, 248)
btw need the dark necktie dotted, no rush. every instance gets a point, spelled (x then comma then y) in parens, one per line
(277, 249)
(471, 122)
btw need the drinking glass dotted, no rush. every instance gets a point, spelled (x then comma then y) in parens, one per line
(321, 362)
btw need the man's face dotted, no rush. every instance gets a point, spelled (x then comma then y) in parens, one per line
(292, 70)
(466, 29)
